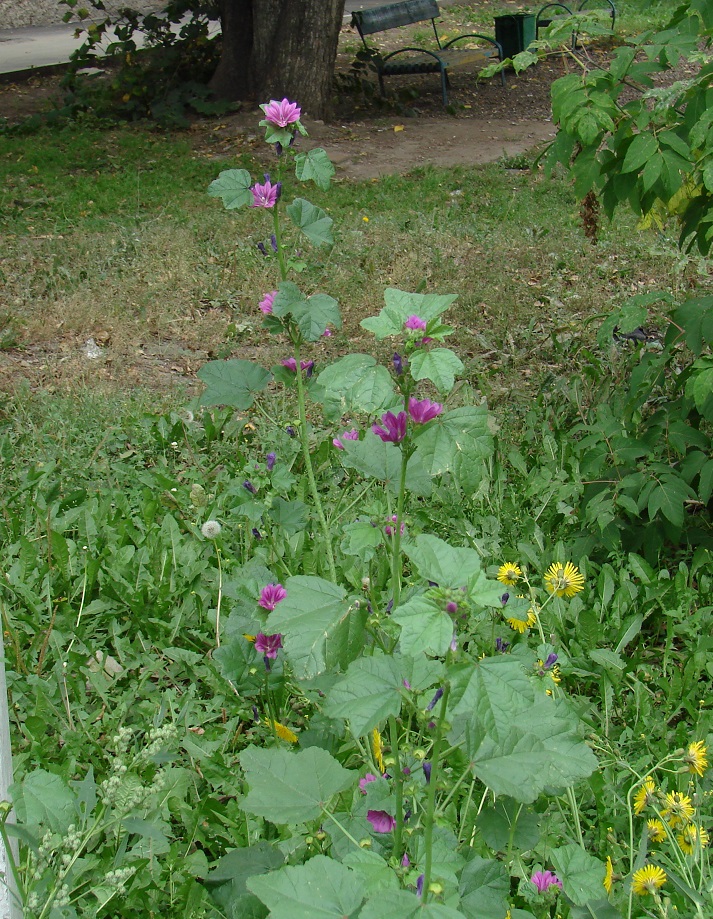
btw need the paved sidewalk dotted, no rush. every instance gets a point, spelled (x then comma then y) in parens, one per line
(46, 46)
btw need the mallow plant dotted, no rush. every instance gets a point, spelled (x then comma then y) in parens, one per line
(436, 767)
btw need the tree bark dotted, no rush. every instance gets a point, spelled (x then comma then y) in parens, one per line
(280, 48)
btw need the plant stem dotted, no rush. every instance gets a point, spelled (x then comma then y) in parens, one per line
(343, 829)
(396, 551)
(398, 787)
(280, 253)
(431, 799)
(220, 598)
(304, 439)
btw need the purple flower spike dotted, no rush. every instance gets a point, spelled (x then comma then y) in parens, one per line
(271, 460)
(265, 195)
(424, 410)
(291, 431)
(273, 242)
(391, 530)
(271, 595)
(394, 427)
(368, 778)
(268, 645)
(407, 685)
(405, 861)
(505, 597)
(398, 364)
(248, 486)
(381, 821)
(427, 771)
(415, 323)
(432, 704)
(501, 645)
(256, 533)
(543, 880)
(282, 114)
(419, 885)
(290, 363)
(454, 642)
(551, 661)
(353, 434)
(265, 305)
(261, 248)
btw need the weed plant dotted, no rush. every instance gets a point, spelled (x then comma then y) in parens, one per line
(325, 642)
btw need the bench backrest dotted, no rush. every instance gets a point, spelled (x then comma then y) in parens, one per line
(394, 15)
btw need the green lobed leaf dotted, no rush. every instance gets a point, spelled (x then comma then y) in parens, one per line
(400, 305)
(446, 565)
(226, 883)
(439, 365)
(291, 787)
(43, 800)
(374, 873)
(315, 165)
(507, 822)
(312, 314)
(234, 382)
(233, 186)
(291, 516)
(361, 538)
(312, 220)
(484, 888)
(320, 889)
(367, 694)
(425, 627)
(313, 620)
(581, 874)
(356, 383)
(402, 904)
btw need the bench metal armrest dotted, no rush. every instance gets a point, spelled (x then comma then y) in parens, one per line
(383, 60)
(475, 35)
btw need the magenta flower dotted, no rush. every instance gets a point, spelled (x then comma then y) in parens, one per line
(268, 645)
(369, 777)
(271, 460)
(265, 305)
(282, 113)
(381, 821)
(265, 195)
(389, 530)
(451, 607)
(291, 364)
(327, 333)
(543, 880)
(415, 323)
(422, 411)
(394, 429)
(353, 434)
(271, 595)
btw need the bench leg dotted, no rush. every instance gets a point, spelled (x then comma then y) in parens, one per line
(444, 85)
(381, 84)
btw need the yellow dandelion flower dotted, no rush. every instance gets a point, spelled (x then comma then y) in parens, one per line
(509, 574)
(564, 580)
(656, 830)
(609, 875)
(520, 625)
(378, 749)
(677, 808)
(249, 637)
(691, 836)
(284, 733)
(648, 880)
(696, 757)
(645, 796)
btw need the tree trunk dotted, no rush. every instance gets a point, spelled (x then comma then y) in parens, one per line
(280, 48)
(232, 78)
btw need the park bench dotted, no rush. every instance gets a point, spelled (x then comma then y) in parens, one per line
(558, 10)
(421, 60)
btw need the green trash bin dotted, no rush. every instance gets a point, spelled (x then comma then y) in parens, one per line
(515, 32)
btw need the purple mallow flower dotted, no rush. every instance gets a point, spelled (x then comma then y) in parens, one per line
(405, 861)
(368, 778)
(394, 427)
(271, 459)
(399, 364)
(266, 195)
(353, 434)
(423, 411)
(381, 821)
(265, 305)
(432, 704)
(415, 323)
(505, 597)
(282, 114)
(268, 645)
(451, 608)
(271, 595)
(291, 364)
(543, 880)
(391, 530)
